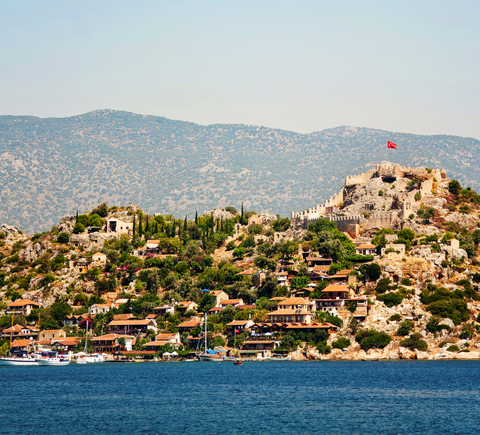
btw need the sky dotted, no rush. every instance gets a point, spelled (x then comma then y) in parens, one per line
(404, 66)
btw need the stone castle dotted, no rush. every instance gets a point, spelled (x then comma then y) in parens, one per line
(378, 198)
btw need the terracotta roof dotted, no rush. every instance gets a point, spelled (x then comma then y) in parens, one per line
(161, 337)
(186, 304)
(238, 323)
(51, 331)
(366, 247)
(311, 326)
(214, 309)
(106, 337)
(69, 341)
(318, 259)
(320, 268)
(216, 292)
(44, 341)
(151, 316)
(336, 288)
(130, 322)
(22, 303)
(258, 341)
(156, 343)
(231, 301)
(21, 343)
(123, 317)
(189, 324)
(287, 312)
(294, 301)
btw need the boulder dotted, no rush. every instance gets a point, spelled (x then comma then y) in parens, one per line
(447, 322)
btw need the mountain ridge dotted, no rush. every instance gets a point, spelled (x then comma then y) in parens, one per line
(51, 167)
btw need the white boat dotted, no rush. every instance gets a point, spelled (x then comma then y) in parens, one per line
(208, 355)
(28, 360)
(52, 359)
(90, 359)
(279, 358)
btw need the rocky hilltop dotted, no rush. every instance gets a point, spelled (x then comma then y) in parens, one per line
(386, 268)
(55, 166)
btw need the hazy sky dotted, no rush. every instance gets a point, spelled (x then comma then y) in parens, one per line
(408, 66)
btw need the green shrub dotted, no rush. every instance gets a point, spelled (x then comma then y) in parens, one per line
(443, 344)
(78, 228)
(434, 326)
(391, 299)
(323, 348)
(406, 281)
(453, 348)
(395, 318)
(414, 342)
(405, 328)
(369, 339)
(341, 343)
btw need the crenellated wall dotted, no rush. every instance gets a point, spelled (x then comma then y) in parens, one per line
(352, 223)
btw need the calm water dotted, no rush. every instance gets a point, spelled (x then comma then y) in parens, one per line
(256, 398)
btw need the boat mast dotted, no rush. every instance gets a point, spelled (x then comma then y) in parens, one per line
(11, 330)
(206, 347)
(86, 336)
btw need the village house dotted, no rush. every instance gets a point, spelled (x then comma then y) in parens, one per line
(334, 297)
(240, 325)
(99, 257)
(367, 249)
(188, 326)
(50, 334)
(65, 344)
(127, 316)
(163, 339)
(318, 261)
(151, 247)
(111, 343)
(74, 319)
(183, 307)
(101, 308)
(220, 296)
(19, 331)
(329, 327)
(164, 309)
(81, 266)
(292, 310)
(132, 326)
(21, 306)
(231, 303)
(258, 346)
(119, 227)
(22, 346)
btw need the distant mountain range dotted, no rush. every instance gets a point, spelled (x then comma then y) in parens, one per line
(50, 167)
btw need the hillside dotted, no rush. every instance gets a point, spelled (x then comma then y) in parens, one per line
(402, 287)
(54, 166)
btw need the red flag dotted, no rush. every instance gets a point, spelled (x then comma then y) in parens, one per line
(237, 331)
(391, 145)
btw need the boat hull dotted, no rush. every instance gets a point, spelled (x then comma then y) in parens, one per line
(52, 362)
(18, 362)
(209, 358)
(287, 358)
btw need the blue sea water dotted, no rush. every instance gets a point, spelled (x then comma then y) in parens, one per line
(402, 397)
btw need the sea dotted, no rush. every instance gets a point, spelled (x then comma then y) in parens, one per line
(276, 397)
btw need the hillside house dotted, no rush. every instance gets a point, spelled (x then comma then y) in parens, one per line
(366, 249)
(318, 261)
(164, 309)
(100, 258)
(185, 306)
(220, 296)
(65, 344)
(21, 306)
(188, 326)
(21, 346)
(101, 308)
(49, 334)
(240, 325)
(19, 331)
(231, 303)
(120, 227)
(74, 319)
(133, 326)
(292, 310)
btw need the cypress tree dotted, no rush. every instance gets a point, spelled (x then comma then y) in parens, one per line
(76, 217)
(140, 228)
(241, 216)
(156, 227)
(133, 232)
(147, 226)
(196, 217)
(185, 224)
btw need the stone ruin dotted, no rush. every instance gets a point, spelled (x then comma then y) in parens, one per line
(378, 198)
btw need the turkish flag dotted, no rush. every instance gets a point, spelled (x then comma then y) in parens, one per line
(391, 145)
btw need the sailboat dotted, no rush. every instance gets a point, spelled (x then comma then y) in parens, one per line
(238, 358)
(25, 360)
(208, 355)
(87, 358)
